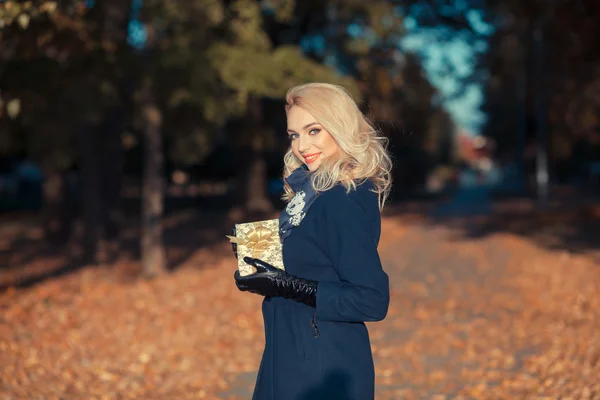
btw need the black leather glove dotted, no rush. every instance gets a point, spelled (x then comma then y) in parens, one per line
(243, 287)
(272, 281)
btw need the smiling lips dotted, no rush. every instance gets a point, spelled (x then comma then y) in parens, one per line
(309, 158)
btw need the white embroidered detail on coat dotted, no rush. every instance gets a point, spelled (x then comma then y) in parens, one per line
(296, 219)
(295, 207)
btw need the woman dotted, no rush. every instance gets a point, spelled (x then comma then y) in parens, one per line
(337, 178)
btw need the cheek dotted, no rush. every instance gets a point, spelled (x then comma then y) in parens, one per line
(294, 147)
(328, 144)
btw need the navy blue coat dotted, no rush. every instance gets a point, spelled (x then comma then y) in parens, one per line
(326, 353)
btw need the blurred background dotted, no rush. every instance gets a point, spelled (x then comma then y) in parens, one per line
(135, 133)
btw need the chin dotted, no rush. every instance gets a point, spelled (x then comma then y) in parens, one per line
(313, 166)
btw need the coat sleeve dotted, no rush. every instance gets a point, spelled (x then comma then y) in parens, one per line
(351, 236)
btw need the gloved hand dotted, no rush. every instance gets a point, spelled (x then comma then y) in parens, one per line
(272, 281)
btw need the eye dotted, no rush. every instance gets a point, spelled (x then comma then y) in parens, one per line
(314, 131)
(293, 136)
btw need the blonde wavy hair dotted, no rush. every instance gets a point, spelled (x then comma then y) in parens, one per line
(363, 156)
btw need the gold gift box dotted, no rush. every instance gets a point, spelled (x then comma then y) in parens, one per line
(259, 239)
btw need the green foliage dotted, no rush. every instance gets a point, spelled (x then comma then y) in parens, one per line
(269, 73)
(248, 64)
(23, 12)
(282, 9)
(63, 70)
(208, 61)
(215, 56)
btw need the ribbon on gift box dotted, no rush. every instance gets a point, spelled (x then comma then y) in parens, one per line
(257, 240)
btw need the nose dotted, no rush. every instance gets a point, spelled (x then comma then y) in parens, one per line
(303, 143)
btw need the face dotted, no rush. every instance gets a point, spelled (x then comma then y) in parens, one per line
(310, 143)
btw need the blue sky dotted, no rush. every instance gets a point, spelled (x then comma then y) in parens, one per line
(447, 58)
(435, 52)
(465, 107)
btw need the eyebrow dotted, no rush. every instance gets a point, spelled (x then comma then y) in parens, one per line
(304, 128)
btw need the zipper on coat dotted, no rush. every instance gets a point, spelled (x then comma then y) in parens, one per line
(313, 324)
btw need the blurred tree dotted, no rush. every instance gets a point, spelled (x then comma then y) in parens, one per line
(540, 74)
(441, 139)
(32, 72)
(154, 260)
(216, 57)
(21, 13)
(67, 70)
(543, 68)
(181, 103)
(250, 64)
(100, 130)
(206, 62)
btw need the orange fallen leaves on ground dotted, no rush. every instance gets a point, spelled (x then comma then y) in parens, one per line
(496, 317)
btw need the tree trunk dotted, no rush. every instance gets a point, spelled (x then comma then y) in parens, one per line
(91, 192)
(114, 19)
(522, 111)
(114, 16)
(55, 217)
(542, 172)
(111, 161)
(256, 186)
(153, 253)
(254, 176)
(99, 133)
